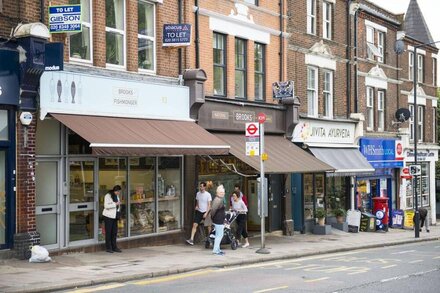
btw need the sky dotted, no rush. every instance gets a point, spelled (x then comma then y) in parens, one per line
(430, 10)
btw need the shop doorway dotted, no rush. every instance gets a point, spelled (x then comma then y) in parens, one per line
(367, 189)
(254, 220)
(3, 204)
(275, 194)
(48, 202)
(82, 201)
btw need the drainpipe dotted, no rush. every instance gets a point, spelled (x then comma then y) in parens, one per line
(281, 40)
(196, 3)
(180, 49)
(356, 93)
(42, 11)
(348, 57)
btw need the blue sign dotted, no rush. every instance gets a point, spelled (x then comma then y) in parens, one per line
(397, 218)
(9, 70)
(380, 153)
(53, 57)
(176, 35)
(65, 18)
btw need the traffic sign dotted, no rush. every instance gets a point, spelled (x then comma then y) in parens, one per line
(252, 148)
(261, 118)
(252, 129)
(415, 170)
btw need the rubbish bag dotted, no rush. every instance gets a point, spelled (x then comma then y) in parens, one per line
(39, 254)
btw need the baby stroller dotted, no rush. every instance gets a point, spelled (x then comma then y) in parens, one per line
(228, 236)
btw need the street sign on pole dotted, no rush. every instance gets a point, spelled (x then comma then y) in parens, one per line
(252, 129)
(415, 170)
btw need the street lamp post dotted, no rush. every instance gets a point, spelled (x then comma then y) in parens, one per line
(415, 124)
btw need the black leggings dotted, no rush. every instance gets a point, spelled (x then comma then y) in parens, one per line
(241, 226)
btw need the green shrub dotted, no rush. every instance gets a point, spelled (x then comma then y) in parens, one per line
(339, 212)
(320, 213)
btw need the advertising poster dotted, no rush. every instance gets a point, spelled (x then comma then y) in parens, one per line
(397, 216)
(408, 219)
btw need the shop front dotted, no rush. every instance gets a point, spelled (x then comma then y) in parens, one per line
(385, 155)
(226, 120)
(9, 101)
(332, 142)
(426, 188)
(95, 132)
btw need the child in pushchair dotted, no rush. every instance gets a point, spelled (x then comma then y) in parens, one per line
(228, 235)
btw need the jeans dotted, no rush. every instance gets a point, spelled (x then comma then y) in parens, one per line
(218, 237)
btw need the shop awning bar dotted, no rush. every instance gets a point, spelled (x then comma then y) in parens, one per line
(346, 161)
(117, 136)
(283, 155)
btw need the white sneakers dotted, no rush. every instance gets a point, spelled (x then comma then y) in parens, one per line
(245, 245)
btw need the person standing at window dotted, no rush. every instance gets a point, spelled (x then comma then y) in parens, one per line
(111, 213)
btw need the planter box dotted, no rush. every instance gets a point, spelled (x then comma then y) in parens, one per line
(322, 230)
(341, 226)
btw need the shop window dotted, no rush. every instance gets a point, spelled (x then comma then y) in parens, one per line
(240, 68)
(142, 189)
(4, 134)
(115, 32)
(219, 59)
(336, 193)
(80, 42)
(77, 145)
(146, 35)
(259, 55)
(48, 137)
(169, 183)
(313, 197)
(422, 187)
(2, 198)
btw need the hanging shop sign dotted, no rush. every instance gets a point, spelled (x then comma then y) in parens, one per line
(65, 19)
(380, 153)
(176, 35)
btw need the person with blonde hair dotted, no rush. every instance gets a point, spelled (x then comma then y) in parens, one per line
(218, 219)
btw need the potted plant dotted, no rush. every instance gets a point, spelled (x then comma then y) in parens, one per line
(339, 214)
(320, 214)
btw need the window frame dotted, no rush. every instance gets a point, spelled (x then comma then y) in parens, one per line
(434, 71)
(370, 107)
(241, 69)
(381, 110)
(434, 124)
(411, 122)
(220, 65)
(327, 94)
(89, 25)
(311, 17)
(261, 73)
(252, 2)
(420, 122)
(327, 24)
(124, 39)
(411, 65)
(312, 103)
(420, 67)
(381, 46)
(148, 38)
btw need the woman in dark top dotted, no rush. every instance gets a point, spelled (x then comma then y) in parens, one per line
(218, 218)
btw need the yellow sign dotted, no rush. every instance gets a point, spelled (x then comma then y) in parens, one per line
(264, 156)
(252, 153)
(408, 220)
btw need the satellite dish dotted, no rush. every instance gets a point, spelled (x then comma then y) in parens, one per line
(399, 47)
(402, 114)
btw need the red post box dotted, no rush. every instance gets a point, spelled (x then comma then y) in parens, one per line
(381, 211)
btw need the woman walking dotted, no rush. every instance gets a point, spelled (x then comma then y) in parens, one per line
(240, 207)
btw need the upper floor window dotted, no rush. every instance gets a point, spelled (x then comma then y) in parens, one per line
(381, 110)
(115, 32)
(370, 108)
(381, 46)
(255, 2)
(434, 125)
(240, 68)
(419, 124)
(312, 91)
(327, 18)
(420, 65)
(434, 71)
(146, 35)
(328, 93)
(372, 50)
(219, 58)
(259, 51)
(80, 42)
(411, 65)
(311, 17)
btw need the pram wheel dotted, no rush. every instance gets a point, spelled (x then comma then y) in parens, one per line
(234, 244)
(207, 244)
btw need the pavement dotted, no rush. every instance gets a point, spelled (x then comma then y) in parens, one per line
(86, 269)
